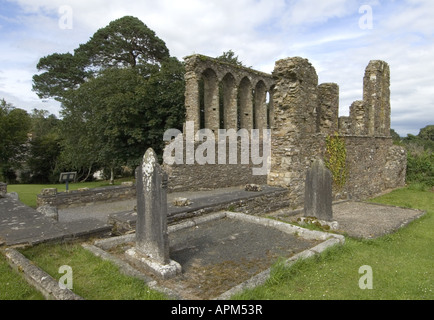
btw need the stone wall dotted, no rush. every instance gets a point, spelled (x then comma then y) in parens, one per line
(190, 177)
(305, 113)
(296, 135)
(50, 197)
(374, 165)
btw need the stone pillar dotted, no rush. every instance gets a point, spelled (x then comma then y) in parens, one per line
(271, 109)
(295, 100)
(211, 99)
(47, 196)
(192, 102)
(376, 95)
(358, 118)
(344, 125)
(246, 104)
(318, 192)
(152, 243)
(3, 189)
(230, 94)
(260, 107)
(328, 109)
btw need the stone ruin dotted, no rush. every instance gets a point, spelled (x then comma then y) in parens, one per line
(301, 114)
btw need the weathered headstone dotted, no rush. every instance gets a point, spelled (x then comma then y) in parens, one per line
(151, 235)
(318, 192)
(152, 244)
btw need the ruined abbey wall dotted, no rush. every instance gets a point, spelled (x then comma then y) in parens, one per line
(301, 113)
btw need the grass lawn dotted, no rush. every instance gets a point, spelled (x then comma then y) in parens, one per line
(93, 278)
(13, 286)
(28, 192)
(401, 264)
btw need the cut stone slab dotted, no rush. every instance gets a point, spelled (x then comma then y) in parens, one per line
(20, 224)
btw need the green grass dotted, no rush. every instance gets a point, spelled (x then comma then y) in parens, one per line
(402, 263)
(28, 192)
(93, 278)
(13, 286)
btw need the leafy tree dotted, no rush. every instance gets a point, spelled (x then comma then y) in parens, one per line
(127, 90)
(63, 73)
(229, 57)
(14, 128)
(125, 42)
(427, 133)
(44, 149)
(395, 136)
(420, 156)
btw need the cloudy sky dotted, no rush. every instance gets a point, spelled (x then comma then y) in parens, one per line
(338, 37)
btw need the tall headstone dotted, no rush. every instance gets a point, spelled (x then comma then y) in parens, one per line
(318, 192)
(151, 227)
(152, 243)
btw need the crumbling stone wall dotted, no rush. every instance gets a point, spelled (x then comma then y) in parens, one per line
(306, 113)
(301, 113)
(374, 165)
(76, 198)
(295, 142)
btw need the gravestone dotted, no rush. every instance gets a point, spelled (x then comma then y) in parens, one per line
(318, 192)
(152, 244)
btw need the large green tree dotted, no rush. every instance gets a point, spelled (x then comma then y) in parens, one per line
(126, 91)
(15, 125)
(43, 158)
(125, 42)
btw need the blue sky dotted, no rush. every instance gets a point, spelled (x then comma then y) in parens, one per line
(328, 33)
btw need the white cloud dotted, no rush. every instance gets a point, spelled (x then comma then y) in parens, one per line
(259, 31)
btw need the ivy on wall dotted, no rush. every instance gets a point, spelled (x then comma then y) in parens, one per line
(335, 160)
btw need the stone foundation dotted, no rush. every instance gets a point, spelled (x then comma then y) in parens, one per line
(50, 197)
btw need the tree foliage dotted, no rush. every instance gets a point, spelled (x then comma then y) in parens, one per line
(420, 156)
(125, 42)
(230, 57)
(14, 126)
(119, 92)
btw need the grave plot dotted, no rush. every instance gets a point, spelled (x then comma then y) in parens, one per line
(210, 257)
(222, 253)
